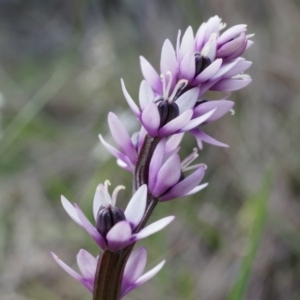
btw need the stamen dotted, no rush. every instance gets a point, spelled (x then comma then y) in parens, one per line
(115, 193)
(249, 36)
(232, 111)
(169, 84)
(222, 25)
(187, 161)
(181, 84)
(163, 79)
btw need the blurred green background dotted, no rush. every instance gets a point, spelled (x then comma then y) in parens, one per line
(61, 64)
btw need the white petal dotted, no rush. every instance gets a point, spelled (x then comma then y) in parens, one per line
(197, 121)
(154, 227)
(136, 207)
(129, 100)
(70, 209)
(146, 94)
(187, 100)
(87, 264)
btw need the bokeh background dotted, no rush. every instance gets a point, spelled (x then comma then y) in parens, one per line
(60, 69)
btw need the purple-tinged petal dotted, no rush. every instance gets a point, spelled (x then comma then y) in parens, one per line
(173, 142)
(197, 121)
(116, 153)
(149, 274)
(224, 69)
(222, 106)
(122, 137)
(187, 100)
(136, 206)
(185, 186)
(249, 44)
(199, 39)
(208, 139)
(231, 33)
(129, 100)
(238, 52)
(239, 68)
(210, 48)
(176, 124)
(187, 43)
(168, 62)
(144, 278)
(87, 265)
(151, 119)
(156, 163)
(86, 224)
(197, 189)
(71, 210)
(134, 268)
(212, 27)
(232, 46)
(178, 57)
(151, 75)
(188, 66)
(146, 94)
(232, 84)
(210, 71)
(98, 201)
(119, 236)
(71, 272)
(154, 227)
(168, 175)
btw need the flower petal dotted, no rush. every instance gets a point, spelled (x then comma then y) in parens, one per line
(231, 33)
(87, 265)
(209, 72)
(197, 189)
(129, 100)
(185, 186)
(168, 175)
(134, 268)
(187, 100)
(197, 121)
(86, 224)
(151, 119)
(136, 206)
(122, 137)
(232, 84)
(208, 139)
(116, 153)
(168, 62)
(146, 94)
(188, 66)
(154, 227)
(119, 236)
(187, 43)
(70, 209)
(156, 163)
(222, 106)
(175, 125)
(151, 75)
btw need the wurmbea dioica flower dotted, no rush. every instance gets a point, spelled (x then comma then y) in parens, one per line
(133, 276)
(166, 174)
(208, 61)
(114, 228)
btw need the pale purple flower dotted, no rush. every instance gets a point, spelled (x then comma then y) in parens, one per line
(165, 115)
(133, 276)
(121, 234)
(166, 173)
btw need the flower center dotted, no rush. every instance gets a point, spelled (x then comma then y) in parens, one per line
(107, 217)
(202, 62)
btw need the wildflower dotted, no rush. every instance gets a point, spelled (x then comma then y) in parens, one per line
(166, 174)
(114, 229)
(132, 277)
